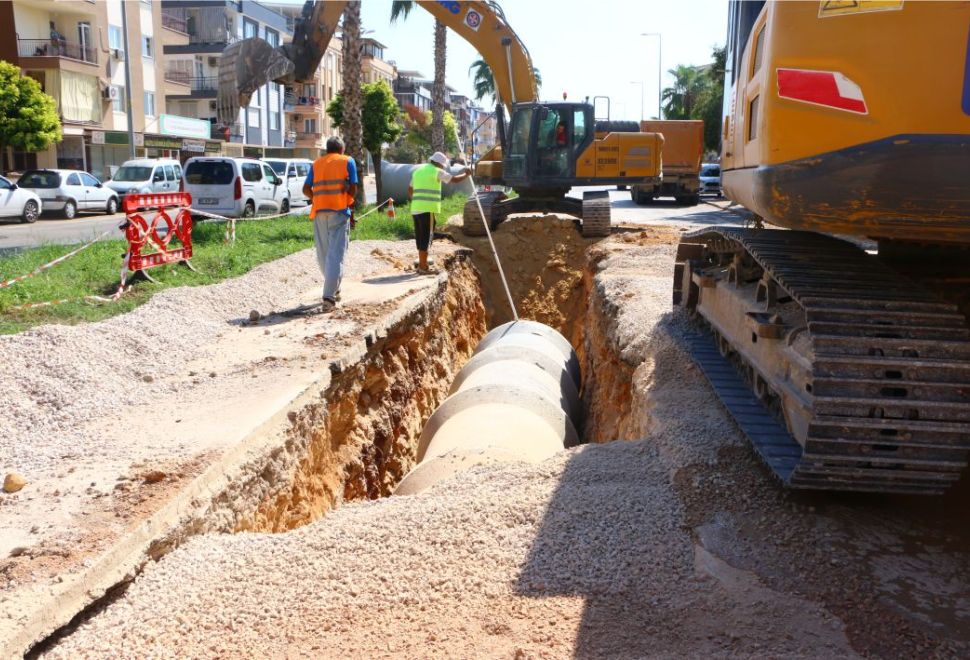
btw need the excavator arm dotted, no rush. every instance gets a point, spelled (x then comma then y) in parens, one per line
(251, 63)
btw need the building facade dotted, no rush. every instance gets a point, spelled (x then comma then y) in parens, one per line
(78, 53)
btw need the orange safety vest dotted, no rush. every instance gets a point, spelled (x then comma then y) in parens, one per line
(330, 183)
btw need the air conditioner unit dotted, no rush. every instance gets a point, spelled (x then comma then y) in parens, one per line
(118, 54)
(112, 93)
(213, 62)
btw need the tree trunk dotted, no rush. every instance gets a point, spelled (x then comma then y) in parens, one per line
(438, 89)
(3, 158)
(352, 126)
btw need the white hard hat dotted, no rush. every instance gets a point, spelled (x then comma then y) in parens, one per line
(440, 158)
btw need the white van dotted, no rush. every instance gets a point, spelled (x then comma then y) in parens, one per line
(235, 187)
(294, 170)
(146, 175)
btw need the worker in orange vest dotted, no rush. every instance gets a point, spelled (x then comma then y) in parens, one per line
(331, 185)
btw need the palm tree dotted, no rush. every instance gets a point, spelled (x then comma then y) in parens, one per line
(402, 9)
(689, 86)
(484, 81)
(352, 126)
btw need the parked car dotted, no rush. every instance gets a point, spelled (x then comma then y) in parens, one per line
(294, 171)
(70, 191)
(235, 187)
(710, 179)
(147, 175)
(15, 202)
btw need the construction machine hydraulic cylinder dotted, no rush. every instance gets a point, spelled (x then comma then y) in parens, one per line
(516, 399)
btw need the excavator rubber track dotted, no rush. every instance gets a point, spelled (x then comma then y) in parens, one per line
(890, 366)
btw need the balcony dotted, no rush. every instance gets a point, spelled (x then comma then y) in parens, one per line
(198, 88)
(180, 76)
(54, 50)
(174, 21)
(301, 104)
(307, 139)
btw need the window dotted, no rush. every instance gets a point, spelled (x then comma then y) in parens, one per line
(302, 169)
(579, 127)
(177, 169)
(250, 29)
(40, 179)
(169, 173)
(272, 38)
(114, 38)
(759, 51)
(119, 103)
(274, 121)
(521, 128)
(251, 172)
(309, 90)
(309, 125)
(5, 184)
(753, 118)
(149, 104)
(252, 118)
(73, 180)
(88, 180)
(292, 171)
(269, 174)
(147, 47)
(209, 172)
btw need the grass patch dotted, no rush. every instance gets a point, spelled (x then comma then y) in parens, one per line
(96, 270)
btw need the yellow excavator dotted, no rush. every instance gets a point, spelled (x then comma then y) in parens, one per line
(840, 342)
(545, 148)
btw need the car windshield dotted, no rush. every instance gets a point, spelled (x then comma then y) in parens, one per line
(133, 173)
(208, 173)
(278, 166)
(711, 170)
(40, 180)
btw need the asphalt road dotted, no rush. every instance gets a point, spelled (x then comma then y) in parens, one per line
(58, 231)
(54, 230)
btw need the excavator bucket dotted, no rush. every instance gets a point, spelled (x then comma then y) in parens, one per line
(246, 66)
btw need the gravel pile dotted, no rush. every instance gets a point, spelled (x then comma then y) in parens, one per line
(55, 380)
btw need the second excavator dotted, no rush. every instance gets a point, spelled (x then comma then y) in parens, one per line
(545, 148)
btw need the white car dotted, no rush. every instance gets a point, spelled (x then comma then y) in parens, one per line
(70, 191)
(235, 187)
(294, 171)
(15, 202)
(710, 179)
(147, 175)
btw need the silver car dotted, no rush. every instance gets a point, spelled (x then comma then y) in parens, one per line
(710, 179)
(69, 191)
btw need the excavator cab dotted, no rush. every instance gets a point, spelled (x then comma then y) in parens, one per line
(544, 142)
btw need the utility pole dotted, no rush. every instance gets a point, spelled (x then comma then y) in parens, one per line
(131, 119)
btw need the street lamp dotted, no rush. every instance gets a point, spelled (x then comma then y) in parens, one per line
(659, 56)
(639, 82)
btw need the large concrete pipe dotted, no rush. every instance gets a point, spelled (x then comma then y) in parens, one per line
(396, 177)
(516, 399)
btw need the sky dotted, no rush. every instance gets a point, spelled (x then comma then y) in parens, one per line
(581, 47)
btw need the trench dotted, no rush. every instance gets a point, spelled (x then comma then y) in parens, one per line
(361, 439)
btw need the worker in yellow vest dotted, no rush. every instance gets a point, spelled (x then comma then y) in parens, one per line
(331, 186)
(425, 195)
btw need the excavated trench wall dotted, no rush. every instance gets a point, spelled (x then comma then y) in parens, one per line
(360, 439)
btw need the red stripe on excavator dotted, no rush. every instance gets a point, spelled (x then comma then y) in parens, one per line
(826, 88)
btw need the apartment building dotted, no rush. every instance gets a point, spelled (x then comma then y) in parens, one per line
(374, 67)
(77, 51)
(411, 88)
(196, 33)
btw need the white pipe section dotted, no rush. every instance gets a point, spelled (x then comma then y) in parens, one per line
(516, 399)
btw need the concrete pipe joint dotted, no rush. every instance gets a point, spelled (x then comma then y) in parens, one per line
(516, 399)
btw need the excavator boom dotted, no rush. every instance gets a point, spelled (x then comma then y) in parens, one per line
(249, 64)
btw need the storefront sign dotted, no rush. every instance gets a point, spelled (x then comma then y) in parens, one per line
(194, 146)
(162, 142)
(97, 137)
(213, 147)
(183, 127)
